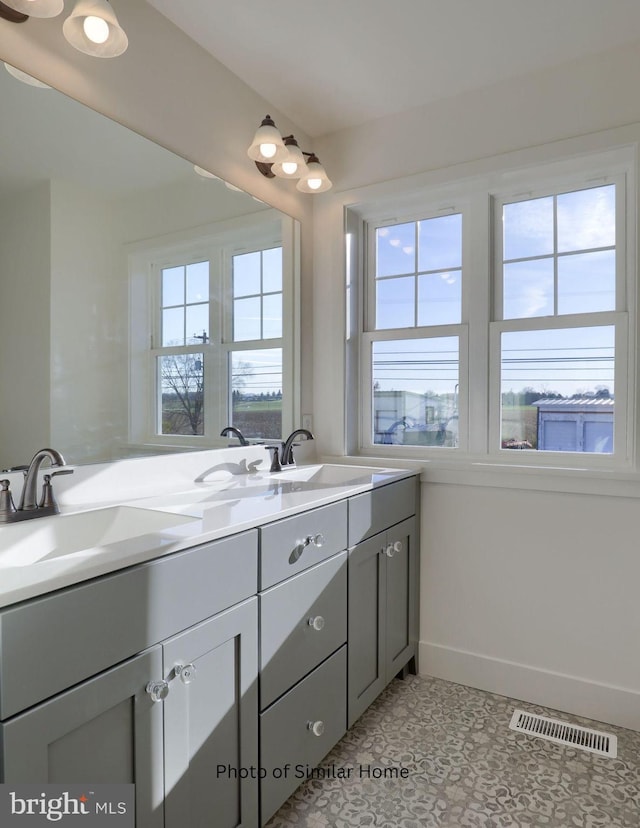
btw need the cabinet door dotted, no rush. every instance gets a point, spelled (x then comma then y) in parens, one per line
(211, 722)
(366, 625)
(105, 730)
(401, 577)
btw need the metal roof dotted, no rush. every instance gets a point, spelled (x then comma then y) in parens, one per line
(573, 403)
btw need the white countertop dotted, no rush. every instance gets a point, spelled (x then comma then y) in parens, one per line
(181, 510)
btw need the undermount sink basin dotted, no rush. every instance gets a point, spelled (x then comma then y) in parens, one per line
(333, 475)
(41, 539)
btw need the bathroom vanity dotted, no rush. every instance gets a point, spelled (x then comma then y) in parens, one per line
(203, 673)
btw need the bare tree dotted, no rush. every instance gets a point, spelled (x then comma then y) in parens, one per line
(182, 394)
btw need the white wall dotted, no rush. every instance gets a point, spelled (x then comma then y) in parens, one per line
(525, 592)
(24, 324)
(89, 331)
(181, 206)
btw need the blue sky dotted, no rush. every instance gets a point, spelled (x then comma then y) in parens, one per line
(558, 258)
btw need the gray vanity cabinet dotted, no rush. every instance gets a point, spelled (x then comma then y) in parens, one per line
(383, 575)
(106, 730)
(210, 722)
(181, 700)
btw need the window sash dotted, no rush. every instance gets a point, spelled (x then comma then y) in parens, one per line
(367, 418)
(622, 433)
(567, 185)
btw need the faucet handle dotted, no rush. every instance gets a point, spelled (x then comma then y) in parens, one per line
(47, 499)
(7, 506)
(275, 459)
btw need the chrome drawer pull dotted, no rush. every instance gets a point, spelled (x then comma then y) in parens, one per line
(185, 672)
(317, 728)
(389, 551)
(314, 540)
(310, 540)
(158, 690)
(316, 622)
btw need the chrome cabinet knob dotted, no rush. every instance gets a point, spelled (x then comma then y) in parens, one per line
(389, 551)
(185, 672)
(314, 540)
(397, 546)
(316, 622)
(158, 690)
(317, 728)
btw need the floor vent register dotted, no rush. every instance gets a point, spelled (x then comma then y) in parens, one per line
(564, 733)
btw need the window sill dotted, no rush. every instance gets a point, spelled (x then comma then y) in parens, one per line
(474, 472)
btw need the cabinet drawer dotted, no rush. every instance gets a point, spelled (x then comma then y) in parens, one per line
(286, 738)
(375, 511)
(285, 548)
(290, 646)
(60, 639)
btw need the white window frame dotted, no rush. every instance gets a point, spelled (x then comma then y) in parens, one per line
(477, 199)
(217, 244)
(587, 176)
(428, 210)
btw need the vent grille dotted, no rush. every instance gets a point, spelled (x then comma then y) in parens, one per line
(563, 733)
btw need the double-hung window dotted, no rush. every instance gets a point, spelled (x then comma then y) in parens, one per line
(212, 333)
(414, 341)
(559, 339)
(502, 323)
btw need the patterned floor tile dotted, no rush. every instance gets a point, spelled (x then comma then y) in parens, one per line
(465, 769)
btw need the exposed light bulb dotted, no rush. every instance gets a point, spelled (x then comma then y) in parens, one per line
(289, 167)
(314, 183)
(96, 29)
(268, 150)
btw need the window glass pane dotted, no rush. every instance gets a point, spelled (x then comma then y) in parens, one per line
(256, 392)
(440, 243)
(528, 289)
(272, 270)
(181, 381)
(553, 384)
(395, 303)
(395, 249)
(173, 326)
(198, 282)
(586, 219)
(528, 228)
(197, 323)
(246, 274)
(587, 282)
(272, 316)
(415, 391)
(172, 286)
(246, 319)
(440, 298)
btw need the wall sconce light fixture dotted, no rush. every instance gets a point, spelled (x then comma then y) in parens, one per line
(282, 157)
(92, 27)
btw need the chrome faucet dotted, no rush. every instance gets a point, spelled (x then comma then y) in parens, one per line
(287, 458)
(236, 433)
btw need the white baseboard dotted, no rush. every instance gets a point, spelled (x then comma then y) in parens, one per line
(578, 696)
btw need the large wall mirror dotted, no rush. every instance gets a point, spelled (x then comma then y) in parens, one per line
(142, 306)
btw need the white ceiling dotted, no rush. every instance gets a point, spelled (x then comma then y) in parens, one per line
(330, 64)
